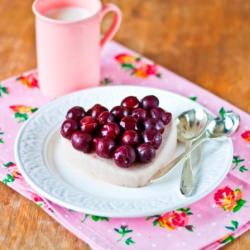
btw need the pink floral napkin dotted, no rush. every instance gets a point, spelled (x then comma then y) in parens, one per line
(210, 223)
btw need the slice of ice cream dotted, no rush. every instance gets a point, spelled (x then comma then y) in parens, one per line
(106, 170)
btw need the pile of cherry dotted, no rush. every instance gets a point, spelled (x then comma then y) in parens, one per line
(129, 133)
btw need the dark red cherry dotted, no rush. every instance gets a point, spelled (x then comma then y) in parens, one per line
(104, 147)
(124, 156)
(152, 137)
(105, 117)
(130, 102)
(160, 114)
(149, 102)
(95, 141)
(68, 128)
(145, 152)
(130, 137)
(128, 123)
(96, 110)
(82, 141)
(88, 124)
(156, 112)
(154, 124)
(119, 112)
(111, 130)
(167, 118)
(75, 113)
(139, 114)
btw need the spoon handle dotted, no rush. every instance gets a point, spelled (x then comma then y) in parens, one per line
(178, 160)
(186, 184)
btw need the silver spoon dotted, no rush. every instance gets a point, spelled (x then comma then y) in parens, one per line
(191, 125)
(219, 128)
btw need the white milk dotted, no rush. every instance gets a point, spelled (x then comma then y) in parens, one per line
(68, 14)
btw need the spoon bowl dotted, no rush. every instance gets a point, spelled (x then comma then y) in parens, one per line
(191, 124)
(226, 126)
(235, 118)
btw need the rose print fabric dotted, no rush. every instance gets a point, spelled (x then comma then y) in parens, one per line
(229, 199)
(174, 219)
(136, 66)
(210, 223)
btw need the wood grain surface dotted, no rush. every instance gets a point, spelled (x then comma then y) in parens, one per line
(207, 42)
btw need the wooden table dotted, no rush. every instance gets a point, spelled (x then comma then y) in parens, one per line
(207, 42)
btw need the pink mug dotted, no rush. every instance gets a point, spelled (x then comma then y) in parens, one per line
(68, 51)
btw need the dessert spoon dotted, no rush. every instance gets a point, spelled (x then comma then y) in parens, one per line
(191, 125)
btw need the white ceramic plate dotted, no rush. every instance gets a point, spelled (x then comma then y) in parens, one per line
(63, 185)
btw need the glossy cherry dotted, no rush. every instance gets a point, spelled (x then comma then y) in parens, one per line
(68, 128)
(149, 102)
(111, 130)
(124, 156)
(119, 112)
(154, 124)
(167, 118)
(130, 102)
(145, 152)
(88, 124)
(130, 137)
(82, 141)
(161, 114)
(75, 113)
(128, 123)
(104, 147)
(139, 114)
(152, 137)
(96, 110)
(105, 117)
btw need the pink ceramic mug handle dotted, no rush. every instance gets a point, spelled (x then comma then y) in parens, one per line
(115, 24)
